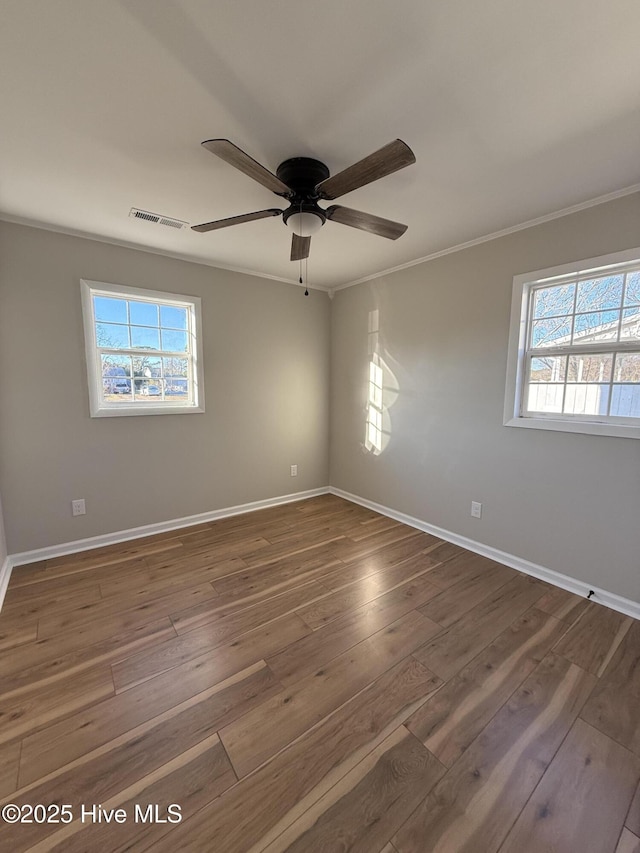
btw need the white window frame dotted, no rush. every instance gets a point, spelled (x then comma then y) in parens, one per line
(100, 408)
(517, 354)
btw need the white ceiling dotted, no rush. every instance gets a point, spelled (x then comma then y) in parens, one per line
(515, 109)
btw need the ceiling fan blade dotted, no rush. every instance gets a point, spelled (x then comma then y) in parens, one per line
(396, 155)
(235, 156)
(300, 247)
(365, 221)
(236, 220)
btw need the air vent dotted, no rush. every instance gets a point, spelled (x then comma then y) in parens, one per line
(156, 218)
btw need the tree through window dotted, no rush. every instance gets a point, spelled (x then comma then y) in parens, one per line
(143, 350)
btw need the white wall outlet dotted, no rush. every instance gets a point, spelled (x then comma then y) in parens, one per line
(476, 509)
(78, 507)
(294, 470)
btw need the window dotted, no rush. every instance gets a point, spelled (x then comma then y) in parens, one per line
(574, 351)
(144, 351)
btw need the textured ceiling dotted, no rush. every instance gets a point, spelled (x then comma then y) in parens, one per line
(514, 109)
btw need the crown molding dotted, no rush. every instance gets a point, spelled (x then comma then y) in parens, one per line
(459, 247)
(126, 244)
(495, 235)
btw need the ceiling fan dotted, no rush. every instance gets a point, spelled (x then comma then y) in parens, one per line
(304, 182)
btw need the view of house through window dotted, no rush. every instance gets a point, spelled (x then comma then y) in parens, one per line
(580, 347)
(584, 347)
(142, 350)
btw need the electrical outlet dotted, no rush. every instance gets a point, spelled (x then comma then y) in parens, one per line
(78, 507)
(294, 470)
(476, 509)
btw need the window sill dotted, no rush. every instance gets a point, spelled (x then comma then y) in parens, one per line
(580, 427)
(133, 411)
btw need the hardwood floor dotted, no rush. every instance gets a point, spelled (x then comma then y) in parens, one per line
(314, 677)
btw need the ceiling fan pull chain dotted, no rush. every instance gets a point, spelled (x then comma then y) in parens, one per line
(306, 275)
(306, 292)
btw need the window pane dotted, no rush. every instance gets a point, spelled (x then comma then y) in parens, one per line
(545, 397)
(173, 318)
(627, 367)
(143, 313)
(632, 293)
(120, 393)
(599, 326)
(111, 310)
(586, 399)
(141, 336)
(625, 402)
(148, 391)
(147, 366)
(175, 367)
(116, 365)
(600, 293)
(550, 333)
(551, 369)
(116, 378)
(174, 341)
(176, 389)
(590, 368)
(553, 301)
(112, 336)
(630, 329)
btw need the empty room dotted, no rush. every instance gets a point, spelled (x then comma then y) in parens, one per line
(320, 426)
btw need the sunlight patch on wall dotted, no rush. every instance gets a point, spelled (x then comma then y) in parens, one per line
(374, 407)
(382, 390)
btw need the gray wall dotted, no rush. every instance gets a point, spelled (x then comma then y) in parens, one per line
(568, 502)
(3, 541)
(266, 359)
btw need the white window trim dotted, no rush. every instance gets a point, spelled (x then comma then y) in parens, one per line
(517, 344)
(97, 407)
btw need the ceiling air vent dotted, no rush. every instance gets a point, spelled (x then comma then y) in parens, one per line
(156, 218)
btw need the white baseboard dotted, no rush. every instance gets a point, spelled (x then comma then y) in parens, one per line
(602, 596)
(115, 538)
(5, 574)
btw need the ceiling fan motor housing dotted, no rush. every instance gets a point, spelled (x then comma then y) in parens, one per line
(302, 175)
(304, 181)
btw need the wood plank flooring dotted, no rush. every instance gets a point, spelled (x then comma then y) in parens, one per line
(314, 677)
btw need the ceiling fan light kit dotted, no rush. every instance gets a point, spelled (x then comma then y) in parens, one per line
(305, 224)
(303, 182)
